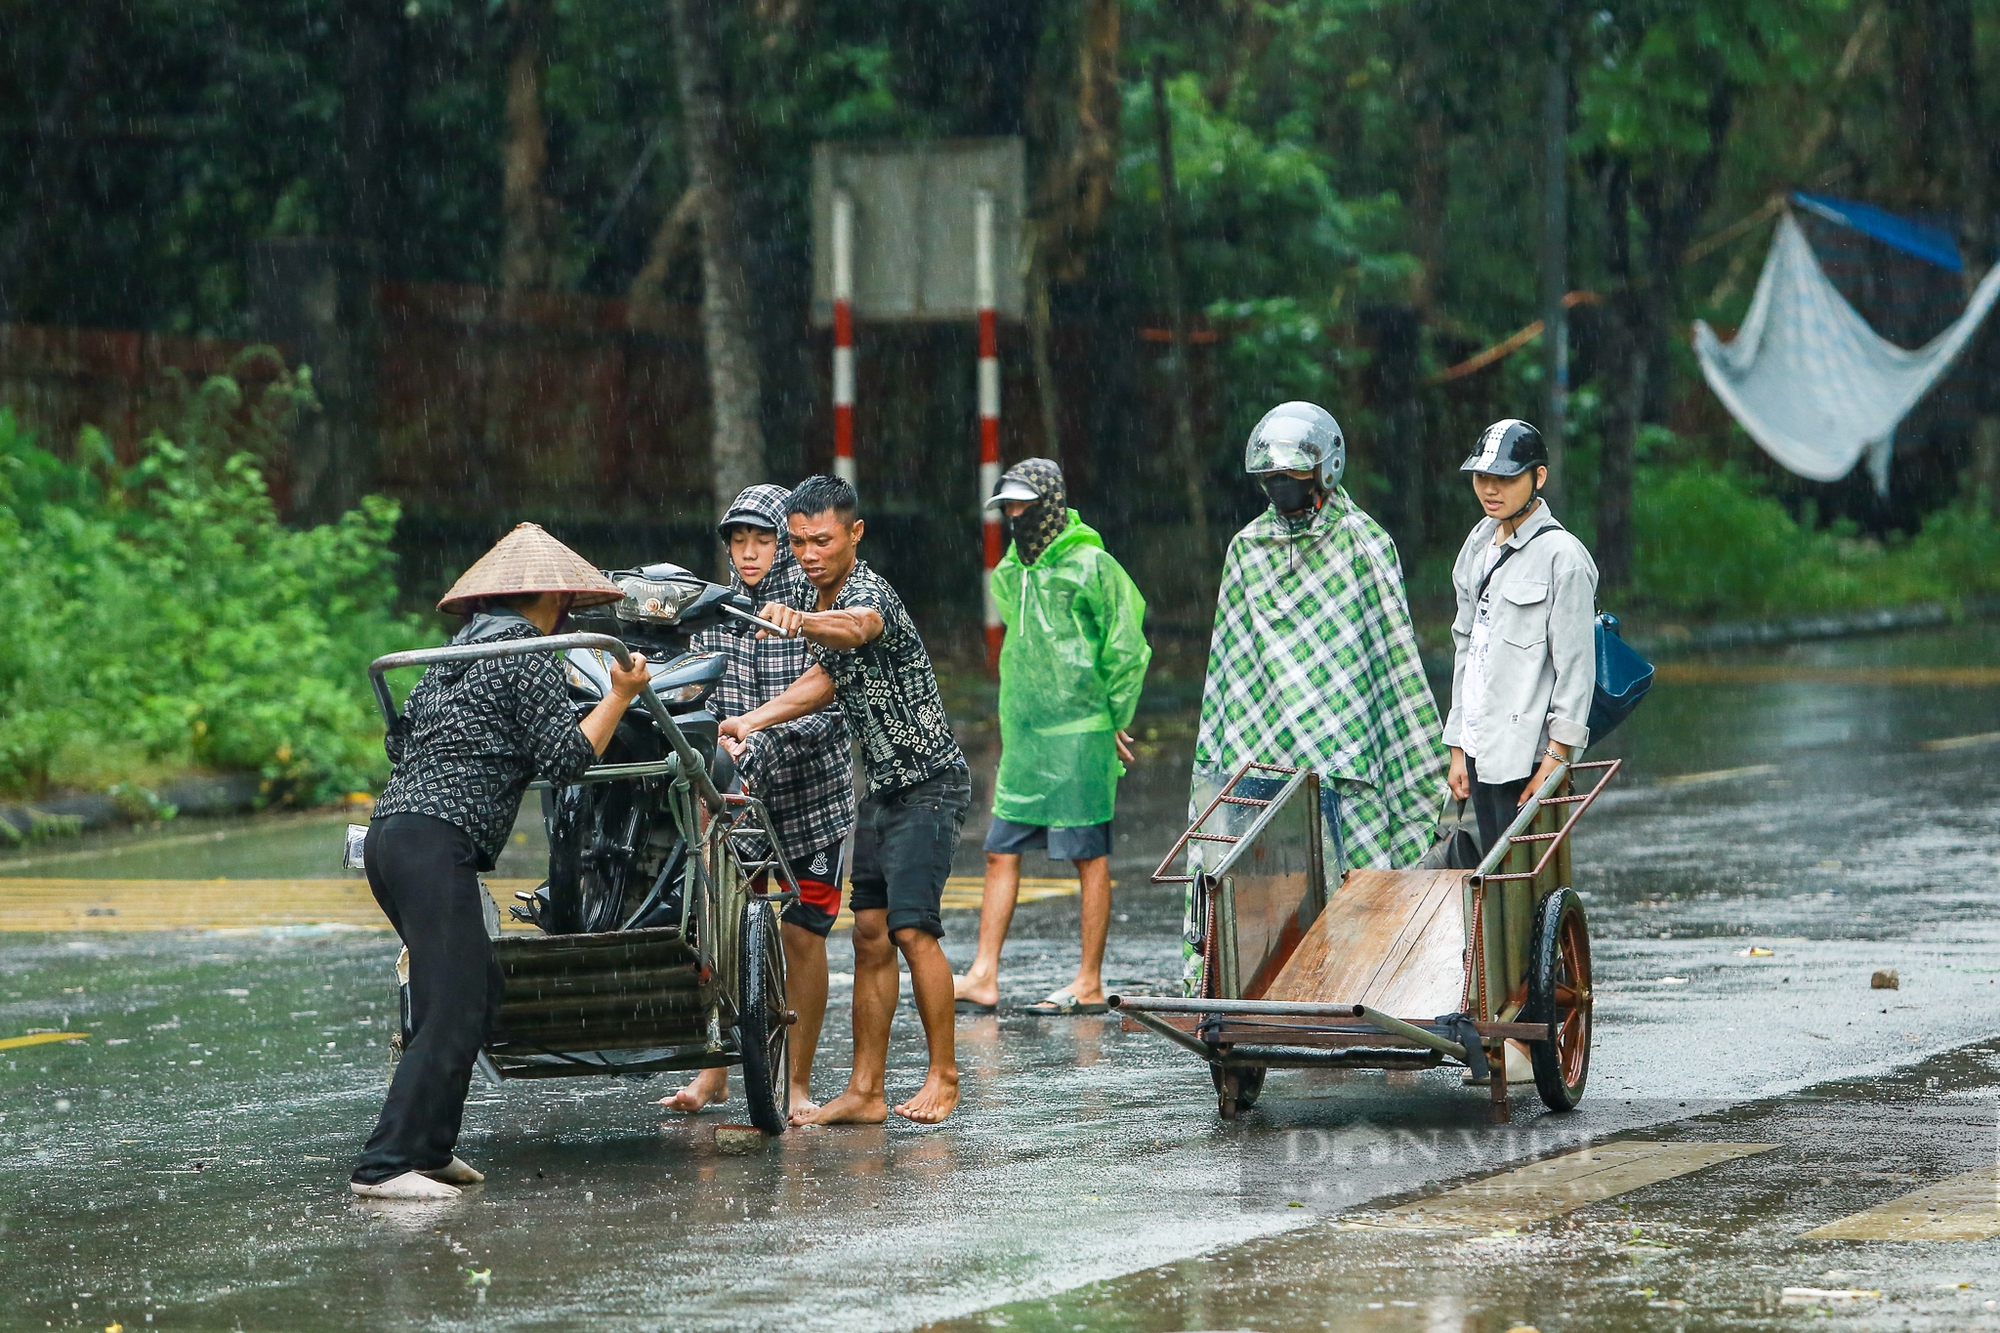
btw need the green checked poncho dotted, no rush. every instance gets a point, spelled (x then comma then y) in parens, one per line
(1313, 663)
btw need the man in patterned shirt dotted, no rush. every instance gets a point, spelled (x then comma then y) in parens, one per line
(800, 769)
(867, 655)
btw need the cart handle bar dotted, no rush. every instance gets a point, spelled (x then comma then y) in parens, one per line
(691, 764)
(1160, 875)
(1517, 831)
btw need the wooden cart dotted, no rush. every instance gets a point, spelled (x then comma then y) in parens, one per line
(1392, 969)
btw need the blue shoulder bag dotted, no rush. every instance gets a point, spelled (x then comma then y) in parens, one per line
(1623, 677)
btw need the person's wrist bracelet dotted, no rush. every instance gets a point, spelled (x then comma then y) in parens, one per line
(1559, 758)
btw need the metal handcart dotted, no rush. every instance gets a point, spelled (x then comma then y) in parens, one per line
(1391, 969)
(705, 991)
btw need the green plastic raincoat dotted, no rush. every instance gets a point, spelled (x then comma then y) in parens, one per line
(1071, 666)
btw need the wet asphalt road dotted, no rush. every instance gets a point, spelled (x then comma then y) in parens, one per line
(184, 1167)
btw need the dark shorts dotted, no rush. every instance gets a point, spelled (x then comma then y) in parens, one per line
(903, 841)
(819, 890)
(1083, 843)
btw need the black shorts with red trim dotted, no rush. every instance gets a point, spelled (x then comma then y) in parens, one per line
(819, 890)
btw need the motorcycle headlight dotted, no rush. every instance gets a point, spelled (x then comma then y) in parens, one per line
(655, 601)
(686, 694)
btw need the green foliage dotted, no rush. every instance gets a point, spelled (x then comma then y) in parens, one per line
(163, 607)
(1711, 543)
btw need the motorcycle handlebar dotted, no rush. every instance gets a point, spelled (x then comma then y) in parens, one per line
(552, 643)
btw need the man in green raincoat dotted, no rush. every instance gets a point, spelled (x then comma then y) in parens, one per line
(1314, 663)
(1071, 666)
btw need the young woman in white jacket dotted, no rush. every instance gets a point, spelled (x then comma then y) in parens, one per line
(1524, 659)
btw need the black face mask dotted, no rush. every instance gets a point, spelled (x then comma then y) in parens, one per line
(1291, 494)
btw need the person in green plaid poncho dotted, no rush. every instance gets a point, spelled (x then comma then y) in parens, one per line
(1313, 661)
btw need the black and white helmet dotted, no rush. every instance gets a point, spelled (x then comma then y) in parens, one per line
(1507, 449)
(1297, 437)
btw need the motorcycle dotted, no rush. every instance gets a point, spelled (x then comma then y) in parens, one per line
(619, 846)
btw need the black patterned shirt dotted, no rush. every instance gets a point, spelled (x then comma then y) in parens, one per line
(888, 691)
(473, 735)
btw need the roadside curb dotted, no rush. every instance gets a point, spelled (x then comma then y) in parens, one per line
(229, 794)
(1674, 640)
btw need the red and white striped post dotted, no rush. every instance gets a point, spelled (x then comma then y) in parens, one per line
(989, 410)
(843, 336)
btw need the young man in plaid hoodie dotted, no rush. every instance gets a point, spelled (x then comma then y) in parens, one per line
(801, 770)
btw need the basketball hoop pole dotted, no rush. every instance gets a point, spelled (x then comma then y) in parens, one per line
(989, 411)
(843, 336)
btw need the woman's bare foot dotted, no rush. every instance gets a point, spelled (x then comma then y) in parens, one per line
(710, 1088)
(849, 1108)
(804, 1108)
(935, 1100)
(976, 989)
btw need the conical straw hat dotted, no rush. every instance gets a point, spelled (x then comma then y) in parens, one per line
(529, 560)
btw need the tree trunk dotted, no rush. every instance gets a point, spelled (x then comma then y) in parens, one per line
(1622, 320)
(735, 395)
(1555, 251)
(1193, 474)
(524, 209)
(1975, 207)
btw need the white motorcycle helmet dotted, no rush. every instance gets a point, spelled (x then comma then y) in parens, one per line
(1298, 437)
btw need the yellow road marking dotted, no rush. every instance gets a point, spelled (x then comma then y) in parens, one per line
(1544, 1189)
(1702, 673)
(1965, 1207)
(255, 904)
(1962, 742)
(41, 1039)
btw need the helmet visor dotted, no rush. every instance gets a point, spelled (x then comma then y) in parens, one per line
(1284, 445)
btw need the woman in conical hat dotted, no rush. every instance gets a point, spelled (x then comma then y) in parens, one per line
(472, 737)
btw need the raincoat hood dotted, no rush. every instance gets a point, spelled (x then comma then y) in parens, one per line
(1071, 667)
(765, 506)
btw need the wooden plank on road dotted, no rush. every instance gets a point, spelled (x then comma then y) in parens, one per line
(1965, 1207)
(1557, 1185)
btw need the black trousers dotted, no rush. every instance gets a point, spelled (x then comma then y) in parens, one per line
(1495, 803)
(424, 873)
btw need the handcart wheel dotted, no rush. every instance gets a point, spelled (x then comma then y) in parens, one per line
(762, 1036)
(1559, 993)
(1236, 1088)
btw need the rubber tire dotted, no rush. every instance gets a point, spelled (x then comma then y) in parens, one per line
(762, 1039)
(1237, 1088)
(584, 898)
(1559, 922)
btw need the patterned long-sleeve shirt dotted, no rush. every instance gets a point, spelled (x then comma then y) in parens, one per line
(473, 735)
(803, 770)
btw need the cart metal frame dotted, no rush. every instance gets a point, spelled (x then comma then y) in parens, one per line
(1240, 1034)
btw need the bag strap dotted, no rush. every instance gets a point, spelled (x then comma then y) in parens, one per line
(1509, 554)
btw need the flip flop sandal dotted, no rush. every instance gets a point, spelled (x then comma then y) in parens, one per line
(973, 1007)
(1065, 1005)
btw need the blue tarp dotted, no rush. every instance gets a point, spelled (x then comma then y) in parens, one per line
(1934, 244)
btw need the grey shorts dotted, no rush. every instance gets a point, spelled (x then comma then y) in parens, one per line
(903, 841)
(1084, 843)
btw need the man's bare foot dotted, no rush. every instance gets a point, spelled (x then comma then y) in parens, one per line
(710, 1088)
(935, 1100)
(849, 1108)
(976, 989)
(803, 1109)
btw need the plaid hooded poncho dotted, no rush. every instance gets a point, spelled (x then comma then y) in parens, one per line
(1313, 662)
